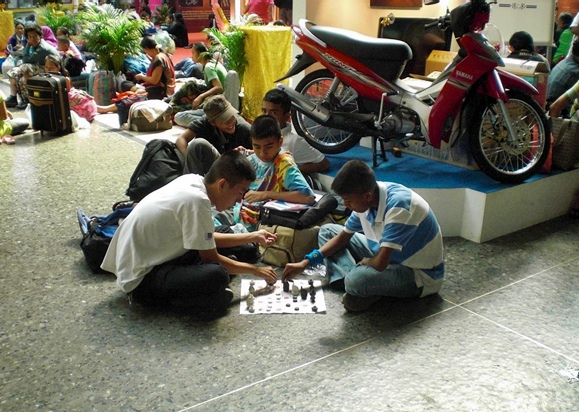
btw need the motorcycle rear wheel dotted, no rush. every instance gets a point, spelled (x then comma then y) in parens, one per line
(498, 157)
(315, 86)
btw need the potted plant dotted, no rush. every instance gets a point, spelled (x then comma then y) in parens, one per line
(111, 35)
(54, 16)
(230, 43)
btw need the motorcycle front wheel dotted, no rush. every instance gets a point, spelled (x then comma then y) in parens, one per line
(316, 87)
(504, 159)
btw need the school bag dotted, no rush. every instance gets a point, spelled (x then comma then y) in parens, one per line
(290, 246)
(160, 164)
(97, 232)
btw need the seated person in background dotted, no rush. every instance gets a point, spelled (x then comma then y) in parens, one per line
(563, 76)
(276, 103)
(567, 99)
(159, 81)
(66, 47)
(188, 68)
(391, 244)
(17, 41)
(563, 37)
(214, 75)
(277, 175)
(8, 125)
(33, 54)
(178, 30)
(522, 47)
(165, 252)
(183, 97)
(79, 101)
(218, 130)
(48, 36)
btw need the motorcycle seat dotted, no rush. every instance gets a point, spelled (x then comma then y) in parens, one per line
(362, 47)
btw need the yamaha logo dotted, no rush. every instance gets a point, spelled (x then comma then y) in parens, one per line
(464, 75)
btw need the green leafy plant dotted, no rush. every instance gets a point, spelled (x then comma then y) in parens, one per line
(162, 12)
(111, 35)
(55, 17)
(230, 44)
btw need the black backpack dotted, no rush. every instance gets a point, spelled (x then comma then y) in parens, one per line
(161, 163)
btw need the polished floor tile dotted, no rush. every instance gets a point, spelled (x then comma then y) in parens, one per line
(501, 335)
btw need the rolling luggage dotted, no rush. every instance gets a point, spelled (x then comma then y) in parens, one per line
(49, 107)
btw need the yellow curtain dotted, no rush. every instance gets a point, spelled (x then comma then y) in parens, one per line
(268, 51)
(6, 28)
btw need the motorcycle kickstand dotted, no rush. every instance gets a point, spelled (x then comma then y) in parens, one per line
(375, 152)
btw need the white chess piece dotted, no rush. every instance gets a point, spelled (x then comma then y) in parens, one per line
(295, 290)
(252, 287)
(250, 301)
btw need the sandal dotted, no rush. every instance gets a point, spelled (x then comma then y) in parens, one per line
(8, 140)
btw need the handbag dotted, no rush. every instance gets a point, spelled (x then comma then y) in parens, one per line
(566, 145)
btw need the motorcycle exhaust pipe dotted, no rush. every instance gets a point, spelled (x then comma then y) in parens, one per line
(307, 107)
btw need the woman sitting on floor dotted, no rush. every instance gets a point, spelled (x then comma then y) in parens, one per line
(159, 82)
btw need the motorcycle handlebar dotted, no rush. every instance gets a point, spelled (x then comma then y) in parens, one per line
(442, 21)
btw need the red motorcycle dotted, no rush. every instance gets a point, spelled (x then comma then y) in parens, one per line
(360, 94)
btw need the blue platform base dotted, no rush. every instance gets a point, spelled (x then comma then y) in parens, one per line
(466, 202)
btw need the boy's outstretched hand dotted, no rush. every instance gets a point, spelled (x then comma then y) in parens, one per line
(291, 270)
(266, 273)
(264, 238)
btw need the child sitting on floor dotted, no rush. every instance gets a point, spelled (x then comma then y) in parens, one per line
(9, 125)
(277, 175)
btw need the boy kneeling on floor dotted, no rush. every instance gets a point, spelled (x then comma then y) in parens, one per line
(164, 252)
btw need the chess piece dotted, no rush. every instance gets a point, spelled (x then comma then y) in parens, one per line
(295, 290)
(304, 293)
(252, 287)
(286, 287)
(250, 301)
(311, 282)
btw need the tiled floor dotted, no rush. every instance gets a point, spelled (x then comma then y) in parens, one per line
(503, 335)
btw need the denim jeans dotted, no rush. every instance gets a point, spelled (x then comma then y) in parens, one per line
(361, 280)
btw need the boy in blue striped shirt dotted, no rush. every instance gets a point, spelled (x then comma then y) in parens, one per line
(391, 245)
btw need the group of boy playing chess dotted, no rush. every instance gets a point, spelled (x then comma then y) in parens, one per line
(165, 251)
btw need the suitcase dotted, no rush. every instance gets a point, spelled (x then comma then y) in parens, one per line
(49, 107)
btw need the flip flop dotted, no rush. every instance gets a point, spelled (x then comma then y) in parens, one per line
(8, 140)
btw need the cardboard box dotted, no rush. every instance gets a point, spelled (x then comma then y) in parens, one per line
(535, 73)
(438, 60)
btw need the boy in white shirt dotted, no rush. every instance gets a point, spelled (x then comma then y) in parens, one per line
(165, 252)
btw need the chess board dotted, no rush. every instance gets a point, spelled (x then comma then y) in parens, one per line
(279, 301)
